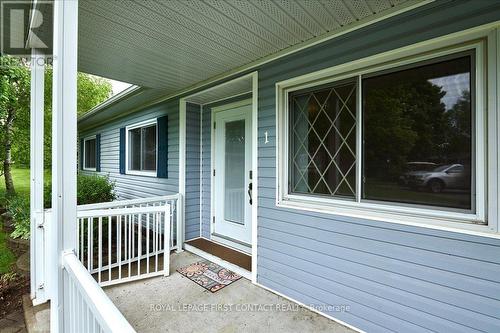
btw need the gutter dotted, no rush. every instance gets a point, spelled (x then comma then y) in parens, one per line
(129, 92)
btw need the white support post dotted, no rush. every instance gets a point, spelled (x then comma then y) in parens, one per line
(64, 148)
(37, 226)
(182, 175)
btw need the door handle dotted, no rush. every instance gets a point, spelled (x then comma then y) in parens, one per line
(249, 193)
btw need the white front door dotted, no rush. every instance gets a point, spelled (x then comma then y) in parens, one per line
(232, 172)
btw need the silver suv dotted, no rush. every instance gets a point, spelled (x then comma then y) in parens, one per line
(411, 167)
(450, 176)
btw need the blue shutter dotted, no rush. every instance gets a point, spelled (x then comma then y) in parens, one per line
(122, 150)
(98, 152)
(81, 153)
(162, 128)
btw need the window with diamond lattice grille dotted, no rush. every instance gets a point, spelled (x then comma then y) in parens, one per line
(323, 140)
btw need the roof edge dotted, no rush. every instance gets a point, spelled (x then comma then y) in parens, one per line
(129, 92)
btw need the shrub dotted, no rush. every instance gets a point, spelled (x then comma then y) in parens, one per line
(90, 189)
(94, 189)
(18, 208)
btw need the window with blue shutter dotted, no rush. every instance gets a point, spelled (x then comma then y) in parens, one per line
(162, 168)
(122, 150)
(81, 153)
(98, 152)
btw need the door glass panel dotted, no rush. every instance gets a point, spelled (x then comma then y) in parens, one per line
(234, 179)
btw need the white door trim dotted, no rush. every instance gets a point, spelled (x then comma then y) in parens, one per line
(182, 161)
(255, 165)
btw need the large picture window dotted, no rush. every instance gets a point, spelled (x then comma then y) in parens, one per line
(142, 148)
(401, 139)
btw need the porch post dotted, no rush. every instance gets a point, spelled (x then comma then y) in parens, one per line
(64, 148)
(182, 176)
(37, 231)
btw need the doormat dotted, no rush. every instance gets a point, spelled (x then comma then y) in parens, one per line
(210, 276)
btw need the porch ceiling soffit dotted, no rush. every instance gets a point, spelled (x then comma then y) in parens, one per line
(173, 45)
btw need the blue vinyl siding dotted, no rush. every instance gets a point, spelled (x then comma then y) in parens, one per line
(193, 165)
(393, 277)
(206, 188)
(132, 186)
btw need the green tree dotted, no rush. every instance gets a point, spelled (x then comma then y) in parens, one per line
(14, 103)
(91, 91)
(458, 133)
(404, 121)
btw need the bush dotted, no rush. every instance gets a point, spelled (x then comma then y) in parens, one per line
(94, 189)
(90, 189)
(18, 208)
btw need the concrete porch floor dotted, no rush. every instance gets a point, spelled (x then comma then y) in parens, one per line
(158, 305)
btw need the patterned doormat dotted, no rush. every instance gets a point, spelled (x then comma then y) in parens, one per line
(209, 275)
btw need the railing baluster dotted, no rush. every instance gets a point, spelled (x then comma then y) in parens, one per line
(77, 238)
(139, 245)
(166, 248)
(88, 244)
(130, 223)
(119, 249)
(99, 250)
(78, 305)
(125, 238)
(71, 304)
(133, 238)
(82, 231)
(86, 321)
(156, 242)
(171, 221)
(109, 248)
(91, 244)
(147, 243)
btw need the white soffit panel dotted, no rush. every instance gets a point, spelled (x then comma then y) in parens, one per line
(176, 44)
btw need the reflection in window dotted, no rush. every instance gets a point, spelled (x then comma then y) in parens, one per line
(417, 126)
(90, 153)
(323, 140)
(142, 148)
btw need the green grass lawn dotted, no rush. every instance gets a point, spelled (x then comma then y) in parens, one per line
(21, 178)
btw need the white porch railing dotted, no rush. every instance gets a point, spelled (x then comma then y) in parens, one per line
(89, 308)
(128, 240)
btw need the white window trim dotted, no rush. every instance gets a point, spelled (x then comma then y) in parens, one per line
(134, 126)
(484, 220)
(84, 155)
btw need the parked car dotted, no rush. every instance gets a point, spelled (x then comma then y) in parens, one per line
(412, 167)
(449, 176)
